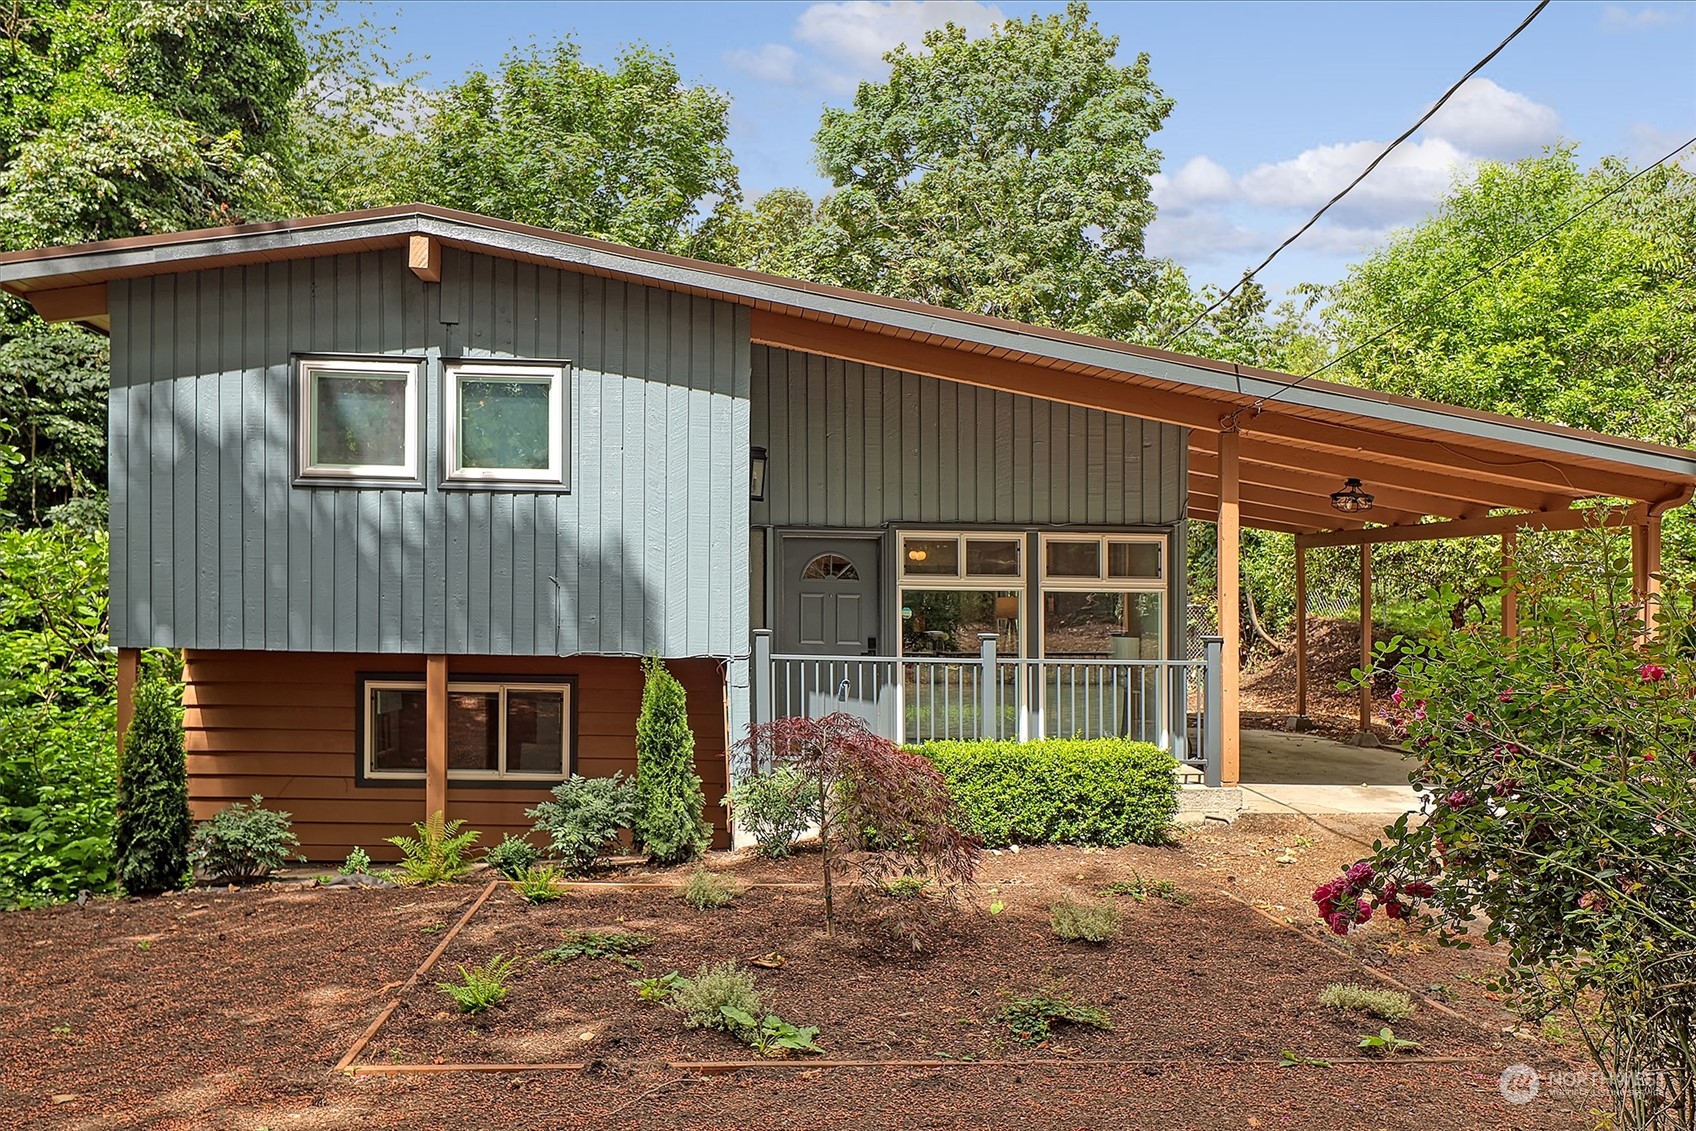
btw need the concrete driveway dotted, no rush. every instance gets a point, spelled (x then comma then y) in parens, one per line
(1304, 773)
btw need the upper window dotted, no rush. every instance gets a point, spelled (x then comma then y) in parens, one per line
(359, 419)
(989, 559)
(1118, 561)
(830, 567)
(505, 421)
(496, 731)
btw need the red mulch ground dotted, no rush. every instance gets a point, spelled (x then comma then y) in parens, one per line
(234, 1013)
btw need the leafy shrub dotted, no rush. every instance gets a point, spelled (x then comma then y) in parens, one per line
(512, 857)
(770, 1035)
(1560, 815)
(1084, 922)
(775, 808)
(653, 991)
(539, 884)
(706, 890)
(436, 855)
(243, 842)
(58, 762)
(886, 812)
(358, 863)
(1141, 890)
(1385, 1043)
(1387, 1005)
(702, 999)
(150, 837)
(669, 801)
(614, 945)
(58, 781)
(585, 815)
(1032, 1019)
(1107, 791)
(481, 986)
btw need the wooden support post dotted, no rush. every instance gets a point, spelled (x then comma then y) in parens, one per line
(1300, 721)
(1510, 590)
(1229, 528)
(1365, 737)
(129, 665)
(435, 736)
(1646, 568)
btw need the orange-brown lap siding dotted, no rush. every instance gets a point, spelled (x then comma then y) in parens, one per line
(283, 725)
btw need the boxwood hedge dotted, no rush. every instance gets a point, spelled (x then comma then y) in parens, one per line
(1105, 791)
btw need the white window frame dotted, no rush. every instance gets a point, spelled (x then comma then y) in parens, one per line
(1102, 583)
(372, 686)
(960, 579)
(308, 370)
(454, 373)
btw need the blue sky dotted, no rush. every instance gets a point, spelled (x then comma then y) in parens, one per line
(1278, 104)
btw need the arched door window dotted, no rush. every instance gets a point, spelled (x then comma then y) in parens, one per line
(830, 567)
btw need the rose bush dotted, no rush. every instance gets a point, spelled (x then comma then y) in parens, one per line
(1559, 776)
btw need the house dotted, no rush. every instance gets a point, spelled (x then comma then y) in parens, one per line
(414, 490)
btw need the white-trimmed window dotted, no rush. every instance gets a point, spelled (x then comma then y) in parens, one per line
(504, 421)
(1103, 595)
(497, 731)
(958, 584)
(358, 419)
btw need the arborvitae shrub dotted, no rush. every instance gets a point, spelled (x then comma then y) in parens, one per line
(150, 838)
(669, 799)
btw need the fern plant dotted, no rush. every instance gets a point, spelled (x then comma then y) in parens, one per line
(481, 986)
(437, 854)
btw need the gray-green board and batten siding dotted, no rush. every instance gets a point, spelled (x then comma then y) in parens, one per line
(214, 546)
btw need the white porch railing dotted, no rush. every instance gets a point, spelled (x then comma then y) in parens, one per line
(1171, 703)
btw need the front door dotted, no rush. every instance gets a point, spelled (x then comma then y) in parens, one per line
(830, 609)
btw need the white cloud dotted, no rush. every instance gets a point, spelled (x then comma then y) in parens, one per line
(1616, 17)
(1484, 119)
(857, 33)
(1400, 190)
(1201, 237)
(770, 62)
(1201, 180)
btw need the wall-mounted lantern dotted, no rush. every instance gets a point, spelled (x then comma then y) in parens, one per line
(757, 474)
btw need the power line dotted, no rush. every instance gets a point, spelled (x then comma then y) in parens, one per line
(1376, 161)
(1471, 279)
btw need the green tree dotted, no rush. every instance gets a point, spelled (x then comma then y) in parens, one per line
(669, 800)
(630, 154)
(151, 834)
(1007, 175)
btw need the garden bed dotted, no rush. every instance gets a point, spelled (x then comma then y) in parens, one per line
(239, 1003)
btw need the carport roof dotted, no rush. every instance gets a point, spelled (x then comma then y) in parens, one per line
(1298, 440)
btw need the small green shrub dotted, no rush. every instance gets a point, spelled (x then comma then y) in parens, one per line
(150, 838)
(702, 999)
(770, 1035)
(1140, 890)
(540, 884)
(358, 863)
(1084, 922)
(1032, 1019)
(613, 945)
(775, 808)
(585, 815)
(669, 800)
(481, 986)
(653, 991)
(706, 890)
(905, 887)
(512, 857)
(243, 842)
(1104, 791)
(1387, 1005)
(436, 855)
(1386, 1043)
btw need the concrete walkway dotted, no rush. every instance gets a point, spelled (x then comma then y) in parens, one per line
(1304, 773)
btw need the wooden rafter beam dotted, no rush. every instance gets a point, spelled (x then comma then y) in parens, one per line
(1265, 451)
(1318, 488)
(1318, 507)
(1252, 521)
(1255, 512)
(1573, 519)
(424, 256)
(70, 304)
